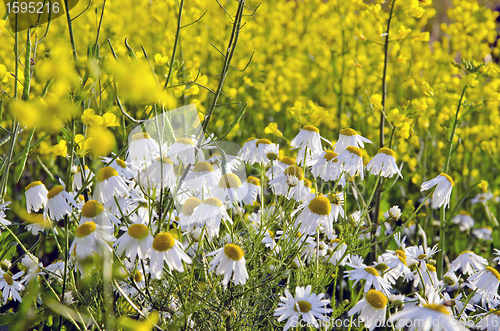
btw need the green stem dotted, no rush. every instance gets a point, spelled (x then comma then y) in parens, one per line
(70, 29)
(176, 42)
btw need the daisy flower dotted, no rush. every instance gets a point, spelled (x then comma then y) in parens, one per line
(230, 189)
(159, 173)
(352, 160)
(269, 241)
(142, 147)
(307, 139)
(209, 213)
(486, 282)
(349, 137)
(468, 262)
(265, 147)
(91, 238)
(396, 260)
(464, 220)
(202, 177)
(317, 211)
(384, 164)
(183, 149)
(109, 185)
(252, 185)
(327, 167)
(484, 233)
(187, 210)
(306, 305)
(166, 248)
(135, 242)
(336, 252)
(428, 275)
(490, 320)
(3, 220)
(372, 309)
(93, 211)
(419, 254)
(291, 177)
(278, 167)
(444, 184)
(123, 168)
(248, 152)
(370, 275)
(10, 287)
(58, 203)
(232, 162)
(81, 177)
(229, 259)
(36, 196)
(435, 317)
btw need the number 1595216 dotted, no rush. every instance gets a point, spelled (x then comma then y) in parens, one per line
(31, 7)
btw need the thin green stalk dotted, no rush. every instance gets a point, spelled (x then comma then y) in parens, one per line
(176, 42)
(70, 29)
(446, 165)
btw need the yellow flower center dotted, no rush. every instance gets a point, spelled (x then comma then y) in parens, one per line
(141, 135)
(165, 160)
(320, 206)
(387, 151)
(466, 252)
(348, 132)
(448, 178)
(105, 173)
(402, 256)
(295, 171)
(138, 276)
(288, 160)
(185, 141)
(271, 233)
(233, 252)
(91, 209)
(372, 271)
(335, 241)
(33, 185)
(329, 155)
(8, 279)
(494, 272)
(229, 181)
(304, 307)
(55, 191)
(138, 231)
(381, 267)
(354, 150)
(203, 166)
(334, 198)
(263, 142)
(376, 299)
(213, 202)
(430, 267)
(121, 163)
(190, 205)
(439, 308)
(163, 242)
(253, 180)
(422, 257)
(310, 128)
(85, 229)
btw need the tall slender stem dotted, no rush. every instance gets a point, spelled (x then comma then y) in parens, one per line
(70, 29)
(176, 42)
(446, 165)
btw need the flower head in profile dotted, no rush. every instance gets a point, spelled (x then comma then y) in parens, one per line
(384, 164)
(229, 259)
(372, 309)
(306, 305)
(444, 184)
(349, 137)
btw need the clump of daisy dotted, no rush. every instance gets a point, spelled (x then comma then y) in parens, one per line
(305, 305)
(444, 185)
(230, 260)
(36, 196)
(165, 248)
(349, 137)
(372, 309)
(384, 164)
